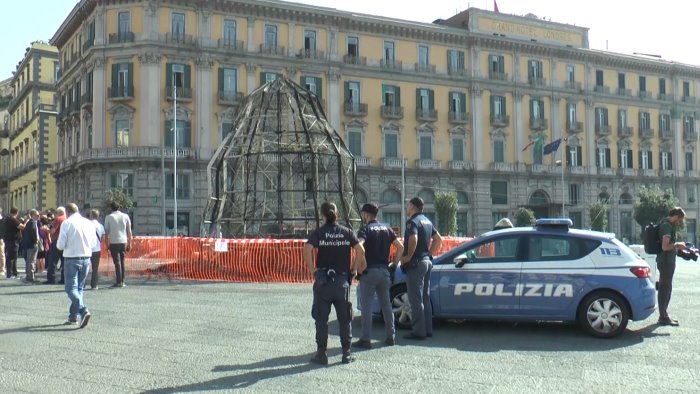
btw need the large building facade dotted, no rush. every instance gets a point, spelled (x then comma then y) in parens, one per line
(456, 102)
(32, 130)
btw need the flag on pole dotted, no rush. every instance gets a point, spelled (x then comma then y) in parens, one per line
(495, 6)
(536, 140)
(552, 147)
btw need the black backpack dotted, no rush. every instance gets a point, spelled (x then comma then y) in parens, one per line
(652, 241)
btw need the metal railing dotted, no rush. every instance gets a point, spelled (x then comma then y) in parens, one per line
(500, 120)
(625, 131)
(355, 109)
(389, 64)
(122, 37)
(353, 59)
(573, 85)
(120, 92)
(646, 133)
(272, 50)
(182, 93)
(458, 117)
(426, 115)
(602, 129)
(574, 127)
(601, 89)
(230, 97)
(227, 43)
(424, 68)
(180, 39)
(391, 112)
(498, 76)
(538, 123)
(536, 81)
(311, 54)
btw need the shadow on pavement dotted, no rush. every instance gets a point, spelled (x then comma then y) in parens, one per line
(253, 373)
(21, 293)
(44, 328)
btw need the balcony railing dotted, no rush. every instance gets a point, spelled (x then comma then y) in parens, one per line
(690, 135)
(180, 39)
(665, 134)
(644, 94)
(573, 85)
(688, 99)
(601, 89)
(182, 93)
(133, 152)
(390, 64)
(606, 171)
(461, 165)
(574, 127)
(544, 169)
(122, 37)
(624, 92)
(355, 109)
(353, 59)
(426, 115)
(628, 172)
(362, 161)
(311, 54)
(272, 50)
(426, 164)
(500, 120)
(458, 117)
(391, 112)
(230, 97)
(86, 99)
(602, 129)
(665, 97)
(646, 133)
(625, 131)
(649, 172)
(692, 173)
(536, 81)
(88, 44)
(393, 162)
(538, 123)
(502, 167)
(424, 68)
(121, 93)
(234, 45)
(498, 76)
(457, 71)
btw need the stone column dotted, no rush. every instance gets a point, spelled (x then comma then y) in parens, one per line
(150, 97)
(333, 99)
(100, 127)
(521, 133)
(150, 19)
(556, 127)
(479, 133)
(516, 68)
(475, 64)
(202, 126)
(204, 27)
(590, 136)
(251, 36)
(333, 44)
(100, 29)
(250, 70)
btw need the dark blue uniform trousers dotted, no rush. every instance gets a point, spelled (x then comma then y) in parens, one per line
(334, 293)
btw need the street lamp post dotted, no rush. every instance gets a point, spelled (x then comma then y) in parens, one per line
(175, 158)
(563, 187)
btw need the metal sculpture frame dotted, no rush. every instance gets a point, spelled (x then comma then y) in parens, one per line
(279, 163)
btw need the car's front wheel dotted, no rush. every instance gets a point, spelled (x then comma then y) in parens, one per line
(604, 314)
(400, 306)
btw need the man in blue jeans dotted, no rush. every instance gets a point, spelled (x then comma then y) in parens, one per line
(76, 240)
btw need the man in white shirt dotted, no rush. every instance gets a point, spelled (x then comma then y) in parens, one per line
(97, 249)
(76, 240)
(119, 238)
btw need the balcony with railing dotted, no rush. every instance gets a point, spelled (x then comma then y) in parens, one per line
(690, 135)
(645, 94)
(601, 89)
(538, 124)
(273, 50)
(688, 99)
(692, 173)
(227, 97)
(184, 94)
(461, 165)
(75, 107)
(355, 109)
(362, 161)
(428, 164)
(602, 129)
(180, 39)
(131, 153)
(625, 131)
(311, 54)
(425, 68)
(354, 59)
(500, 120)
(574, 127)
(458, 117)
(457, 71)
(391, 112)
(88, 44)
(665, 134)
(123, 37)
(393, 162)
(536, 81)
(231, 45)
(646, 133)
(117, 93)
(665, 97)
(502, 167)
(498, 76)
(648, 172)
(624, 92)
(572, 85)
(426, 115)
(391, 64)
(627, 172)
(606, 171)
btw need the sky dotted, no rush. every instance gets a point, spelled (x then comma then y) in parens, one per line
(626, 26)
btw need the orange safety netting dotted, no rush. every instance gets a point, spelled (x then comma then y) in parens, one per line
(232, 260)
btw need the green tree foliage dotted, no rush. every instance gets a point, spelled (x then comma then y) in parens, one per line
(118, 195)
(524, 217)
(653, 204)
(446, 207)
(599, 216)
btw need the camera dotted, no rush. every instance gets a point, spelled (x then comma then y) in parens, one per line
(690, 252)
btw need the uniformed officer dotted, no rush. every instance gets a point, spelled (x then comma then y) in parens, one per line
(377, 239)
(332, 274)
(422, 241)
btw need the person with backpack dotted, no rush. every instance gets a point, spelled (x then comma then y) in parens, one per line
(666, 262)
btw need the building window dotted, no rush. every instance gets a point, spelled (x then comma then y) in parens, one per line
(353, 46)
(389, 54)
(425, 98)
(462, 218)
(571, 114)
(124, 25)
(621, 80)
(692, 193)
(310, 42)
(270, 36)
(391, 196)
(688, 124)
(498, 106)
(178, 25)
(499, 193)
(601, 116)
(122, 76)
(642, 83)
(571, 73)
(645, 160)
(603, 157)
(123, 181)
(689, 161)
(534, 70)
(455, 60)
(498, 151)
(121, 132)
(458, 103)
(183, 223)
(624, 158)
(536, 109)
(622, 118)
(644, 120)
(392, 218)
(666, 161)
(426, 147)
(496, 64)
(626, 199)
(423, 56)
(266, 77)
(626, 227)
(226, 129)
(391, 145)
(662, 86)
(229, 33)
(458, 149)
(574, 193)
(352, 96)
(599, 81)
(313, 84)
(355, 142)
(183, 134)
(183, 186)
(89, 136)
(391, 96)
(229, 80)
(177, 75)
(686, 89)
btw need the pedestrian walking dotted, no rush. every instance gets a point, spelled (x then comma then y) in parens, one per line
(2, 244)
(55, 255)
(666, 261)
(119, 239)
(421, 242)
(76, 241)
(97, 249)
(377, 239)
(332, 280)
(12, 234)
(30, 243)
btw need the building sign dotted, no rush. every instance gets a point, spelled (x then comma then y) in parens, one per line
(529, 32)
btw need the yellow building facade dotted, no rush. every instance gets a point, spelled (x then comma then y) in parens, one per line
(466, 104)
(32, 130)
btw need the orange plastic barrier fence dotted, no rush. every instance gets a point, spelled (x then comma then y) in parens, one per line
(231, 260)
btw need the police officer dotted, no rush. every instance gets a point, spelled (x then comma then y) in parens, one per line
(331, 280)
(377, 239)
(421, 242)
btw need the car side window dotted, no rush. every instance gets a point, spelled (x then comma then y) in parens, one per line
(552, 247)
(504, 249)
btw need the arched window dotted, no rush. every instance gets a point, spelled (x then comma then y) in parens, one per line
(539, 198)
(391, 196)
(604, 197)
(626, 199)
(427, 195)
(462, 198)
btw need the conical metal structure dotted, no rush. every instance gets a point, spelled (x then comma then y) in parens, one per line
(279, 163)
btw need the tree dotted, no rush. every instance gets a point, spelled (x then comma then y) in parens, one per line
(117, 195)
(599, 216)
(524, 217)
(653, 204)
(446, 207)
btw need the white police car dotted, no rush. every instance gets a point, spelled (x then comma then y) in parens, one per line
(548, 272)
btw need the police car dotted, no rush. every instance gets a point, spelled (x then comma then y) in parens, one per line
(548, 272)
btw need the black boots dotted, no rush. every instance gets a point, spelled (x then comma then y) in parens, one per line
(320, 357)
